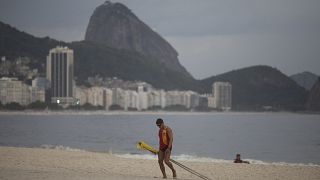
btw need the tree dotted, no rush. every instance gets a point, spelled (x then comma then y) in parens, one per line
(88, 106)
(55, 106)
(176, 108)
(132, 109)
(38, 105)
(114, 107)
(14, 106)
(155, 108)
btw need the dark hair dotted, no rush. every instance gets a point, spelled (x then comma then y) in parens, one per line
(159, 121)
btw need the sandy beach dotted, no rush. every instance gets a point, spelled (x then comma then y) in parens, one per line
(34, 163)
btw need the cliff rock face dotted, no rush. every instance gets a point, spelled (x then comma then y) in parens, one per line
(116, 26)
(313, 103)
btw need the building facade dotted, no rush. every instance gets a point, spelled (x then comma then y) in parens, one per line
(13, 90)
(60, 75)
(222, 95)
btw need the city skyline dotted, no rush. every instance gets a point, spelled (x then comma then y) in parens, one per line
(211, 37)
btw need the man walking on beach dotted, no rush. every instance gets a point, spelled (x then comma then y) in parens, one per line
(165, 147)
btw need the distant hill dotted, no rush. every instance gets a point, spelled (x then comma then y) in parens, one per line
(94, 59)
(305, 79)
(313, 103)
(258, 86)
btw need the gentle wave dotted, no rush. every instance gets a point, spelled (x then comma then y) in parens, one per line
(190, 158)
(181, 157)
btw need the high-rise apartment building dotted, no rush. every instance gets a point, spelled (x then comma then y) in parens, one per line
(222, 94)
(60, 75)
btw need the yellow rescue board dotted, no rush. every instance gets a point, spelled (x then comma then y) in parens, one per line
(143, 145)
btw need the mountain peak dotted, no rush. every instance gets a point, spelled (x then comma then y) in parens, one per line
(114, 6)
(116, 26)
(305, 79)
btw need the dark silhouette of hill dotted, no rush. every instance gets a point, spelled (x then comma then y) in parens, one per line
(313, 103)
(305, 79)
(93, 59)
(258, 86)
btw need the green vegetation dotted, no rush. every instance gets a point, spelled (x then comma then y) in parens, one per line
(91, 107)
(37, 105)
(115, 107)
(14, 106)
(176, 108)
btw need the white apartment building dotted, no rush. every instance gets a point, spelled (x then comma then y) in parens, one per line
(119, 97)
(13, 90)
(157, 98)
(175, 98)
(143, 99)
(108, 98)
(132, 99)
(211, 102)
(190, 99)
(222, 93)
(37, 94)
(81, 94)
(96, 96)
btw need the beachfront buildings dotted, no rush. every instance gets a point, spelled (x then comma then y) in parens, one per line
(221, 97)
(60, 75)
(139, 100)
(13, 90)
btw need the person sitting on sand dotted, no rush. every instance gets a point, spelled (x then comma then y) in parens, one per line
(165, 147)
(239, 160)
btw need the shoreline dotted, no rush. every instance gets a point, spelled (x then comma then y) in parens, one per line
(177, 157)
(36, 163)
(102, 112)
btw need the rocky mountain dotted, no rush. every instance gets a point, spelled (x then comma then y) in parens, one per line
(114, 25)
(258, 86)
(305, 79)
(313, 103)
(93, 59)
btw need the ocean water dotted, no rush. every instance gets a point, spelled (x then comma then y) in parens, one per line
(258, 137)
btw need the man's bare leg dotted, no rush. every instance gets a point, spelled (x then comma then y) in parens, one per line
(168, 163)
(160, 161)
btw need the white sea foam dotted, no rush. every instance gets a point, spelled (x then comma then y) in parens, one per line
(60, 147)
(181, 157)
(190, 158)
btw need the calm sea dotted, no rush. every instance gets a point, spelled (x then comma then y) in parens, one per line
(265, 137)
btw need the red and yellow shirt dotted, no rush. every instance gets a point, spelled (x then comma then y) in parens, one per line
(163, 138)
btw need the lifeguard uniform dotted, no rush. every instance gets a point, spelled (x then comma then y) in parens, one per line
(164, 139)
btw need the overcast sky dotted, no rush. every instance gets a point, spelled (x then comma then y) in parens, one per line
(211, 36)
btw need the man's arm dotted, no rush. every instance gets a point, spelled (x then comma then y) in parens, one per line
(170, 134)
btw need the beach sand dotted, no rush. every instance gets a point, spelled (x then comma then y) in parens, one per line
(34, 163)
